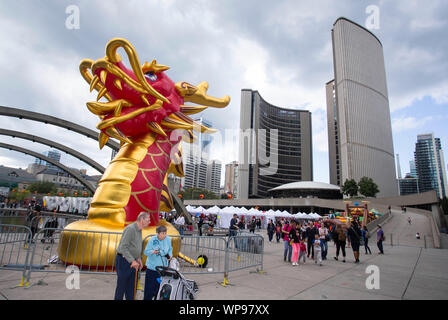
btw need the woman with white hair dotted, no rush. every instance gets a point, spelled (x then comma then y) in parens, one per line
(159, 251)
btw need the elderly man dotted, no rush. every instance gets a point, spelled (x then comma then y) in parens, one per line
(128, 259)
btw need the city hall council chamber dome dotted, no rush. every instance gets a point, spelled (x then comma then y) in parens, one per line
(306, 189)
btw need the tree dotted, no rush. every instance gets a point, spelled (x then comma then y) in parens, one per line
(19, 195)
(367, 187)
(350, 188)
(43, 187)
(195, 194)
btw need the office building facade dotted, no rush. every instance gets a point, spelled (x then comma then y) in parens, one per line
(430, 165)
(359, 124)
(214, 176)
(231, 178)
(408, 185)
(52, 154)
(275, 146)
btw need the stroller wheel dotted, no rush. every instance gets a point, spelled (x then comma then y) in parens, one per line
(202, 261)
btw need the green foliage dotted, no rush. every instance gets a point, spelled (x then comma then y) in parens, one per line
(194, 194)
(367, 187)
(19, 195)
(350, 188)
(43, 187)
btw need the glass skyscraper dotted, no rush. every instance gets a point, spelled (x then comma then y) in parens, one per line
(430, 165)
(275, 146)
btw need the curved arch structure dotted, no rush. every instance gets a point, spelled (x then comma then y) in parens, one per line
(75, 174)
(35, 116)
(53, 144)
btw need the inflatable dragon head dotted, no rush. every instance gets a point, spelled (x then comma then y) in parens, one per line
(142, 99)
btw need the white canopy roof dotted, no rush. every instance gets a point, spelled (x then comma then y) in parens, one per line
(243, 210)
(213, 210)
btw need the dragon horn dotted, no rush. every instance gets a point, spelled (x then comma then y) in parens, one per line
(111, 53)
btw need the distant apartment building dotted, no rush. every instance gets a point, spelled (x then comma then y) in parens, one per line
(214, 176)
(200, 172)
(52, 154)
(359, 125)
(231, 178)
(408, 185)
(430, 165)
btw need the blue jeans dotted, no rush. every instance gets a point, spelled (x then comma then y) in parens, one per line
(288, 250)
(125, 279)
(324, 248)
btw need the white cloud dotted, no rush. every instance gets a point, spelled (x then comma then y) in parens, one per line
(281, 49)
(406, 123)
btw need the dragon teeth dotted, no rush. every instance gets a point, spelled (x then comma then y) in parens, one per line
(117, 83)
(94, 82)
(103, 76)
(102, 92)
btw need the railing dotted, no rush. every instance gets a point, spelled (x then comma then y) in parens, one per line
(15, 243)
(22, 251)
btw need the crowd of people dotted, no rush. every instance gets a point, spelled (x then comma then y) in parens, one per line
(303, 240)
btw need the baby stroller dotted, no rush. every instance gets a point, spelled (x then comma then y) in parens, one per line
(174, 286)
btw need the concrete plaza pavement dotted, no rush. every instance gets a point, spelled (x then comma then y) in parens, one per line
(406, 271)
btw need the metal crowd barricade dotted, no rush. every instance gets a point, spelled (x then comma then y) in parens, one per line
(199, 255)
(203, 248)
(13, 216)
(62, 219)
(245, 250)
(94, 259)
(15, 249)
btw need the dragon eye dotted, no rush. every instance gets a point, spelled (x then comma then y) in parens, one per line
(151, 76)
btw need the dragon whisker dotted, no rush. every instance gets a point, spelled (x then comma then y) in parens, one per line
(115, 120)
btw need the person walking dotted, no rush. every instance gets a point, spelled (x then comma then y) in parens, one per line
(233, 228)
(295, 243)
(309, 235)
(252, 225)
(317, 250)
(270, 229)
(302, 252)
(380, 238)
(365, 238)
(340, 243)
(159, 251)
(409, 220)
(278, 231)
(354, 236)
(128, 260)
(242, 224)
(324, 237)
(287, 252)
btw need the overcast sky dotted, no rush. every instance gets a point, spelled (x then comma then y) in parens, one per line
(280, 48)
